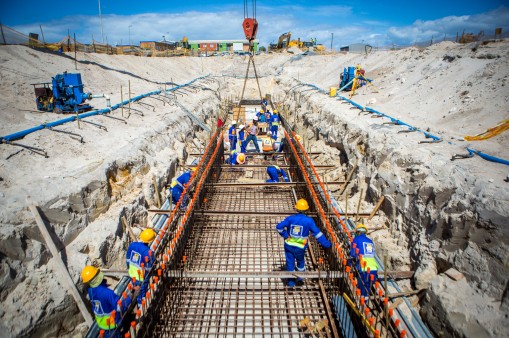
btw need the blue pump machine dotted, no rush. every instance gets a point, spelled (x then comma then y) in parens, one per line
(66, 96)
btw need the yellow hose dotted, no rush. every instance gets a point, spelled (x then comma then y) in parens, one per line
(498, 129)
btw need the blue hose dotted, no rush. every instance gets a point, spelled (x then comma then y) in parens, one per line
(23, 133)
(488, 157)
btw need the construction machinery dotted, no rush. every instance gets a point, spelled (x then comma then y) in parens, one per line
(306, 45)
(283, 42)
(65, 96)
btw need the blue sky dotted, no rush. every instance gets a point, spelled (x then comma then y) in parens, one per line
(379, 23)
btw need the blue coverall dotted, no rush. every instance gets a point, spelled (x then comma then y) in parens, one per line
(137, 253)
(274, 172)
(295, 230)
(232, 136)
(274, 124)
(242, 140)
(233, 158)
(367, 250)
(104, 301)
(177, 186)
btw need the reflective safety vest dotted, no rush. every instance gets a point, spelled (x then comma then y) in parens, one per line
(367, 250)
(104, 302)
(275, 120)
(174, 183)
(135, 256)
(267, 144)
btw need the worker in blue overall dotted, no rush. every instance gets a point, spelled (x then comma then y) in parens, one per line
(274, 173)
(177, 186)
(232, 135)
(274, 123)
(282, 145)
(139, 261)
(242, 138)
(236, 158)
(362, 250)
(107, 312)
(295, 230)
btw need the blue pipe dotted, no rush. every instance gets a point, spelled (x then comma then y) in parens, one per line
(23, 133)
(488, 157)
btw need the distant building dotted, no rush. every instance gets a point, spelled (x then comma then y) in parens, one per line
(158, 45)
(222, 45)
(358, 48)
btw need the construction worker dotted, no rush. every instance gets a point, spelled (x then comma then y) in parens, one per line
(242, 138)
(236, 158)
(107, 311)
(283, 142)
(232, 135)
(274, 123)
(362, 250)
(177, 185)
(295, 230)
(139, 259)
(267, 144)
(252, 133)
(274, 173)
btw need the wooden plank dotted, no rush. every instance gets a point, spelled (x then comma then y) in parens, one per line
(404, 293)
(343, 188)
(129, 229)
(156, 191)
(377, 206)
(62, 271)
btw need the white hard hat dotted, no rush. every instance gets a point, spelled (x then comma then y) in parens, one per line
(234, 122)
(241, 126)
(255, 118)
(269, 133)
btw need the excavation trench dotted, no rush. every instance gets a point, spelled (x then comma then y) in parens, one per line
(427, 222)
(434, 218)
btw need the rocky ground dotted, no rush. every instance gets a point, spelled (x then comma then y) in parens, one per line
(439, 214)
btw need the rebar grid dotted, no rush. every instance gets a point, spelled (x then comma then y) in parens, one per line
(246, 307)
(231, 307)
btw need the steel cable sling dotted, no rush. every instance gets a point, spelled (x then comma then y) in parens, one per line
(250, 26)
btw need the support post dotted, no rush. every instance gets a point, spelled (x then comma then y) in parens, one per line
(380, 201)
(63, 273)
(156, 191)
(75, 60)
(128, 228)
(359, 206)
(343, 188)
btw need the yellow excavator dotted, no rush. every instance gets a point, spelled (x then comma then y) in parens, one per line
(305, 45)
(282, 42)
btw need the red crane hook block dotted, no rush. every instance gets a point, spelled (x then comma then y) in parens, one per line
(250, 28)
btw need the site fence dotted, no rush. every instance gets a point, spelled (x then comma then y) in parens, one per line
(10, 36)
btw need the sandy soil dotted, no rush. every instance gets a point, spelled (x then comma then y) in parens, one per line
(454, 90)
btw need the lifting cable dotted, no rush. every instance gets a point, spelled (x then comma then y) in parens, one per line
(250, 26)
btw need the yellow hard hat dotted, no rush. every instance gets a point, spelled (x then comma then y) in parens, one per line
(193, 168)
(88, 273)
(241, 158)
(302, 205)
(147, 235)
(275, 111)
(297, 137)
(361, 228)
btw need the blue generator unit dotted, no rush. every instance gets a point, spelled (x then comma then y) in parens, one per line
(65, 96)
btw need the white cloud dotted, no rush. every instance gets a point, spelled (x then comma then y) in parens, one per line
(449, 26)
(305, 23)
